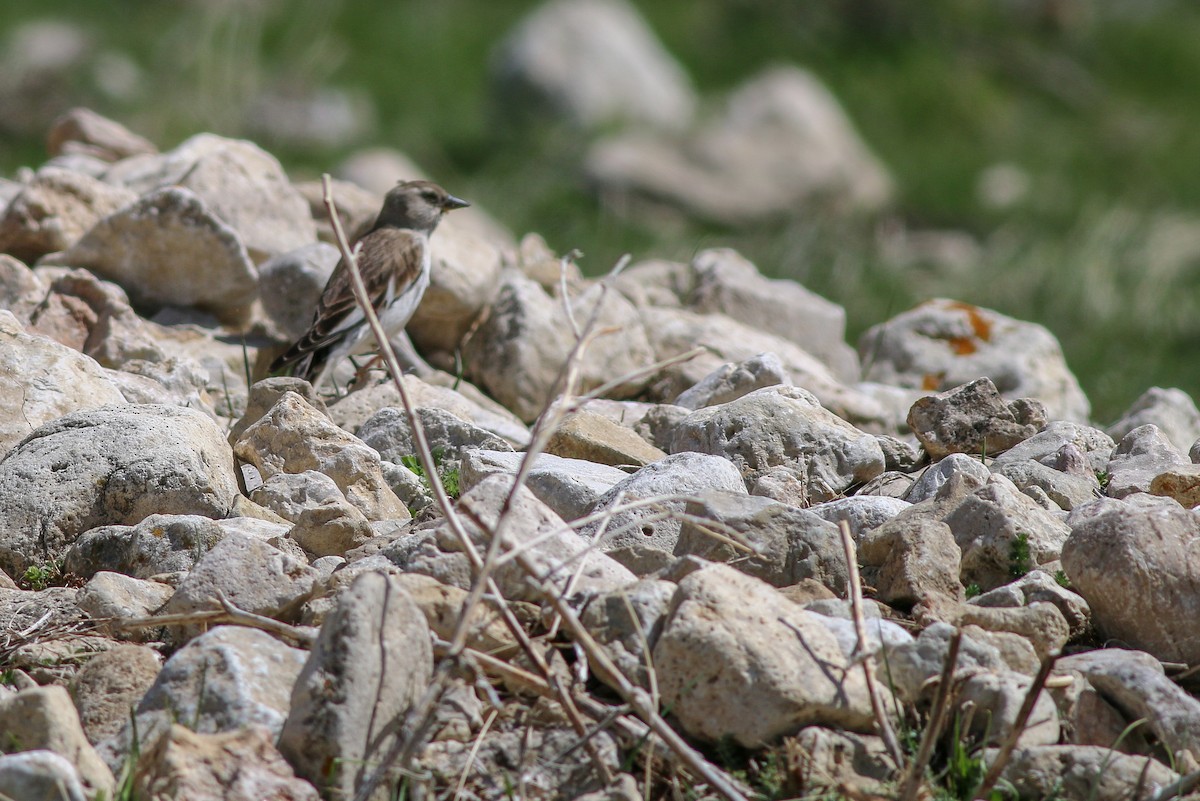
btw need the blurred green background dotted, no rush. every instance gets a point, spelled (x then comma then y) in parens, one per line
(1087, 112)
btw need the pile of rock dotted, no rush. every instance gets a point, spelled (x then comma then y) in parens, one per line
(258, 573)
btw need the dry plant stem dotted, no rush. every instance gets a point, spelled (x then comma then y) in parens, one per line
(910, 787)
(1010, 742)
(860, 649)
(228, 614)
(483, 730)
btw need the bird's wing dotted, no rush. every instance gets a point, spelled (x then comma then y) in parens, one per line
(390, 261)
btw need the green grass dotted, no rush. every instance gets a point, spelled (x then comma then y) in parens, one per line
(1097, 109)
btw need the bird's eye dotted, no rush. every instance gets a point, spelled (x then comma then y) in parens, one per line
(430, 196)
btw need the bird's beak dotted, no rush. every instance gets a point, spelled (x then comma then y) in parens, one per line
(453, 203)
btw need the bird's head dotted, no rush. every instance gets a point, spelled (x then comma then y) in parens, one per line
(418, 205)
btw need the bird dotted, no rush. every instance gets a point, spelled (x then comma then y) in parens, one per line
(395, 262)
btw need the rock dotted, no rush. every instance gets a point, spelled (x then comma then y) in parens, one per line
(21, 290)
(1039, 586)
(912, 665)
(727, 283)
(388, 432)
(1172, 410)
(462, 284)
(675, 331)
(116, 597)
(1136, 566)
(736, 659)
(1060, 444)
(291, 283)
(293, 437)
(243, 185)
(827, 759)
(594, 438)
(571, 487)
(40, 774)
(155, 545)
(590, 63)
(731, 381)
(169, 248)
(1039, 623)
(780, 544)
(109, 685)
(1135, 685)
(556, 556)
(916, 559)
(442, 606)
(862, 512)
(970, 473)
(1003, 534)
(41, 381)
(83, 131)
(222, 681)
(658, 525)
(1001, 694)
(264, 394)
(374, 648)
(476, 408)
(1140, 458)
(54, 210)
(1084, 773)
(326, 524)
(943, 343)
(240, 765)
(781, 142)
(1066, 490)
(115, 465)
(517, 352)
(784, 427)
(627, 623)
(973, 418)
(252, 575)
(43, 718)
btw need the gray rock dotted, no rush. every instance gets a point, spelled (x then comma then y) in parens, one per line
(326, 524)
(54, 210)
(21, 290)
(657, 525)
(155, 545)
(735, 658)
(780, 544)
(592, 62)
(1172, 410)
(912, 665)
(973, 418)
(291, 283)
(1047, 446)
(517, 352)
(293, 437)
(731, 381)
(111, 466)
(374, 648)
(953, 343)
(881, 636)
(784, 427)
(1001, 694)
(826, 759)
(470, 404)
(1141, 455)
(916, 559)
(675, 331)
(43, 718)
(1038, 623)
(1083, 773)
(1066, 490)
(42, 775)
(251, 574)
(170, 248)
(1039, 586)
(1135, 684)
(388, 432)
(41, 380)
(780, 142)
(571, 487)
(862, 512)
(116, 597)
(236, 765)
(1136, 566)
(263, 395)
(464, 281)
(1003, 534)
(627, 622)
(83, 131)
(563, 560)
(109, 685)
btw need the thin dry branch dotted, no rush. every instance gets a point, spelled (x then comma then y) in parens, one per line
(1022, 721)
(911, 785)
